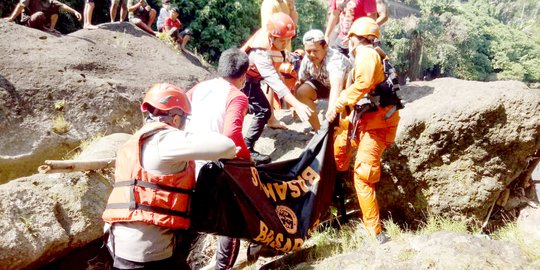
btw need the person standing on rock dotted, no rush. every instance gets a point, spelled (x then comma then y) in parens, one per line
(142, 15)
(382, 12)
(218, 105)
(41, 14)
(266, 50)
(114, 9)
(88, 11)
(346, 12)
(154, 182)
(322, 74)
(376, 129)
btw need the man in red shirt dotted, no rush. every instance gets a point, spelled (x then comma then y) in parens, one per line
(172, 25)
(218, 105)
(346, 12)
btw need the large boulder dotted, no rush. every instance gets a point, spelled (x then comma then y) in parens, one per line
(56, 91)
(459, 144)
(44, 216)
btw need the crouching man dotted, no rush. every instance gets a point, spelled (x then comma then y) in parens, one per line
(40, 14)
(322, 73)
(141, 15)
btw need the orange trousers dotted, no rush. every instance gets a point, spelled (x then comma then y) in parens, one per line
(367, 166)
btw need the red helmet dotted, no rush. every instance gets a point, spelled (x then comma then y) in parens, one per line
(281, 25)
(165, 97)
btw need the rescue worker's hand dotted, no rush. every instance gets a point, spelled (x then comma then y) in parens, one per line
(303, 111)
(339, 107)
(331, 114)
(333, 111)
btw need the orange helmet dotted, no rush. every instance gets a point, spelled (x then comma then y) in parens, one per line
(364, 27)
(165, 97)
(281, 25)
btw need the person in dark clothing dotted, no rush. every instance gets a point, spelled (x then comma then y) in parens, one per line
(40, 14)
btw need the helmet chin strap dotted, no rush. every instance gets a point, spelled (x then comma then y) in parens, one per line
(166, 118)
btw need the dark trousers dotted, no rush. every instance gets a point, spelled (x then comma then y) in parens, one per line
(183, 246)
(227, 252)
(260, 108)
(38, 20)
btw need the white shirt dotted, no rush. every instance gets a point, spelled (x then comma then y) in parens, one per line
(334, 63)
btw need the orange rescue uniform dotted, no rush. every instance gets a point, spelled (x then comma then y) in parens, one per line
(375, 134)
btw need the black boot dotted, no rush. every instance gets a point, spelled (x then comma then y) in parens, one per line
(259, 158)
(339, 192)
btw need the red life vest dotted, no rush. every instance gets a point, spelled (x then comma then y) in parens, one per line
(138, 195)
(261, 41)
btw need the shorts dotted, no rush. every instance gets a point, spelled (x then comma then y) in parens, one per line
(142, 14)
(179, 34)
(321, 90)
(121, 2)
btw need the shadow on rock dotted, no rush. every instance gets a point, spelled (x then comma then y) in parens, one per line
(124, 27)
(410, 93)
(13, 104)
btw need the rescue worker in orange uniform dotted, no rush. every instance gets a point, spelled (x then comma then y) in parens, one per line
(154, 180)
(376, 129)
(266, 52)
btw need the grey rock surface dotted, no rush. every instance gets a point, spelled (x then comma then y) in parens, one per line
(45, 216)
(95, 80)
(441, 250)
(459, 144)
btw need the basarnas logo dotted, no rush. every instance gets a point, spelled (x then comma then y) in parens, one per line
(288, 218)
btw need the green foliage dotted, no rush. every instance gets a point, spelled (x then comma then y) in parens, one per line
(218, 24)
(511, 233)
(311, 15)
(464, 40)
(438, 223)
(6, 7)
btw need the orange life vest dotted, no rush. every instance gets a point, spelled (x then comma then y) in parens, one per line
(261, 41)
(138, 195)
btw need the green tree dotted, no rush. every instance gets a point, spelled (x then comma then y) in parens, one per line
(219, 24)
(311, 15)
(461, 40)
